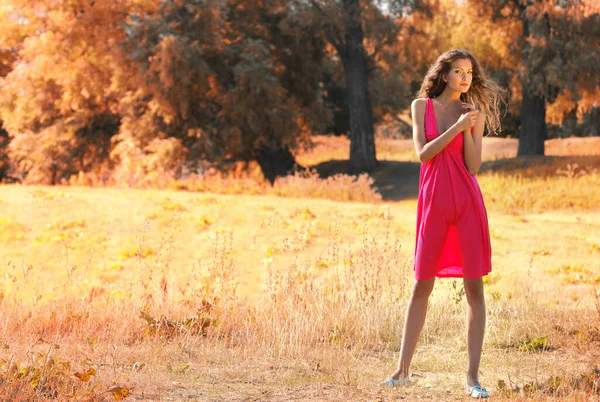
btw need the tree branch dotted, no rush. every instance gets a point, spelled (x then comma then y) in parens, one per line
(331, 32)
(379, 47)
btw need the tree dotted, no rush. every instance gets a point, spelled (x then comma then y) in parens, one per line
(161, 88)
(6, 60)
(354, 58)
(550, 43)
(387, 71)
(347, 36)
(59, 102)
(237, 81)
(363, 36)
(547, 75)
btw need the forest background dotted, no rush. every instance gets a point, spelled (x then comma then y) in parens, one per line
(140, 92)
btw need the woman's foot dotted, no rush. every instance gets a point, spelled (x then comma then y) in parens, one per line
(477, 391)
(394, 380)
(474, 389)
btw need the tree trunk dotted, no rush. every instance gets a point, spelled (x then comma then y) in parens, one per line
(533, 124)
(4, 160)
(362, 141)
(533, 108)
(275, 162)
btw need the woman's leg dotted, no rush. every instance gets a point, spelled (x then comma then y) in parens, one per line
(413, 324)
(475, 326)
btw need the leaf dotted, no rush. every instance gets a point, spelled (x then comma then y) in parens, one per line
(85, 377)
(119, 393)
(147, 317)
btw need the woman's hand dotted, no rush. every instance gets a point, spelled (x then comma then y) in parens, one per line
(468, 119)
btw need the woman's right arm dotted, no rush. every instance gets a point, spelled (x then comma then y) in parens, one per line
(427, 150)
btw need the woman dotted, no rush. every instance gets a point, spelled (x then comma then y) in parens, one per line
(455, 103)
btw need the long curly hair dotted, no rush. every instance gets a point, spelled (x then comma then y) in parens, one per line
(484, 93)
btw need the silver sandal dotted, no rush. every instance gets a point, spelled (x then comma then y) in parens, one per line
(391, 383)
(477, 391)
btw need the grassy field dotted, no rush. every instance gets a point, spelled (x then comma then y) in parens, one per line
(296, 292)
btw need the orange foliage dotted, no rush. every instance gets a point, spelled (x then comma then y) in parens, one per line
(140, 89)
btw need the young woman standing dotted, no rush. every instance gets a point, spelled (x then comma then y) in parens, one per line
(455, 103)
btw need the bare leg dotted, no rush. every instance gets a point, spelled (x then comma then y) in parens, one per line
(475, 326)
(415, 319)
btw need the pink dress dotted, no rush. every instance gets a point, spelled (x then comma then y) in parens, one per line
(452, 237)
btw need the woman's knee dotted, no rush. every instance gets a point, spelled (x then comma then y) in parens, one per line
(422, 289)
(474, 289)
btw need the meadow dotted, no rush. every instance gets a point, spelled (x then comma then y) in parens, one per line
(223, 288)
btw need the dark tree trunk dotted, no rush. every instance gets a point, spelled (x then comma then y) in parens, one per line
(354, 58)
(276, 162)
(4, 160)
(533, 124)
(533, 108)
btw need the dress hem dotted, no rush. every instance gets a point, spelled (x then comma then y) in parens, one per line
(455, 276)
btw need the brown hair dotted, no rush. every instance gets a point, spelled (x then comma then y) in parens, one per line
(484, 93)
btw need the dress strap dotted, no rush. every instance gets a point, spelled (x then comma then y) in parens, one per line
(428, 114)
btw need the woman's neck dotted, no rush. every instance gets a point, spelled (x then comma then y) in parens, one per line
(449, 96)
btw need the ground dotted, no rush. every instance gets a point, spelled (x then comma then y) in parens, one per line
(308, 295)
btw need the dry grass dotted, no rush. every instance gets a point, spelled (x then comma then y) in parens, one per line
(185, 296)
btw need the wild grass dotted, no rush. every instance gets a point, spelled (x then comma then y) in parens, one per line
(170, 295)
(341, 187)
(516, 194)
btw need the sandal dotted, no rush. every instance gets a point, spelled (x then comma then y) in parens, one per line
(391, 383)
(477, 391)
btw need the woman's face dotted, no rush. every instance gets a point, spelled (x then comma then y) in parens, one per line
(460, 75)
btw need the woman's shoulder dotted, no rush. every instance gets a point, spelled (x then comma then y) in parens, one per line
(420, 100)
(475, 108)
(419, 104)
(481, 114)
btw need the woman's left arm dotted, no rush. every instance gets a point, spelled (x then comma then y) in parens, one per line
(472, 145)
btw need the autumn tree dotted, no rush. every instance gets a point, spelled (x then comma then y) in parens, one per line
(59, 102)
(10, 37)
(343, 24)
(547, 63)
(6, 61)
(559, 47)
(251, 76)
(226, 82)
(389, 68)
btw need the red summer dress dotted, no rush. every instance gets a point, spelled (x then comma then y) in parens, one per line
(452, 234)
